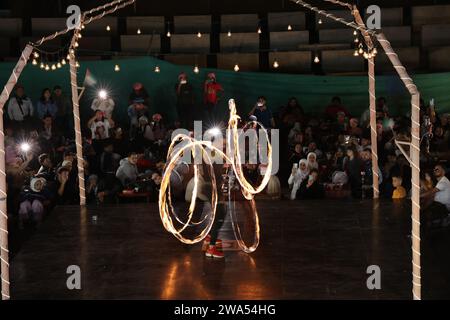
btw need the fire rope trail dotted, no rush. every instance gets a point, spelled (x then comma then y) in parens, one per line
(166, 209)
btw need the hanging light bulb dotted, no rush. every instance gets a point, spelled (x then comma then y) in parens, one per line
(276, 64)
(199, 34)
(259, 30)
(229, 33)
(71, 51)
(42, 66)
(108, 28)
(375, 51)
(34, 62)
(356, 53)
(80, 36)
(157, 69)
(53, 67)
(36, 55)
(169, 34)
(320, 21)
(58, 65)
(68, 56)
(82, 26)
(355, 33)
(366, 55)
(138, 31)
(356, 40)
(116, 68)
(77, 64)
(360, 50)
(316, 59)
(196, 69)
(289, 28)
(47, 67)
(76, 44)
(63, 61)
(236, 68)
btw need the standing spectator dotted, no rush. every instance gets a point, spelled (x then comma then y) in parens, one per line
(354, 167)
(185, 101)
(138, 107)
(64, 119)
(292, 113)
(46, 105)
(263, 113)
(20, 109)
(103, 103)
(211, 97)
(335, 107)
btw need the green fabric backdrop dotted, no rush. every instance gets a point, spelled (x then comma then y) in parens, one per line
(313, 92)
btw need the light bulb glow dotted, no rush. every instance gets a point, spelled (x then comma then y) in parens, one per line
(47, 67)
(157, 69)
(102, 94)
(289, 28)
(320, 21)
(63, 61)
(316, 59)
(259, 30)
(169, 34)
(42, 66)
(236, 68)
(276, 64)
(36, 55)
(196, 69)
(34, 62)
(199, 35)
(108, 28)
(356, 53)
(355, 33)
(116, 68)
(58, 65)
(229, 33)
(77, 64)
(138, 31)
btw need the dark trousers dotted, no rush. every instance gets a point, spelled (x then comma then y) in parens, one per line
(218, 223)
(209, 116)
(435, 211)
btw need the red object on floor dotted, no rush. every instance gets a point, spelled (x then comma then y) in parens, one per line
(214, 252)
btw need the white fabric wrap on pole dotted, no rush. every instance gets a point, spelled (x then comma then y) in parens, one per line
(414, 161)
(9, 87)
(76, 119)
(372, 99)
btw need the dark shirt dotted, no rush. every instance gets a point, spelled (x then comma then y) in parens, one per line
(185, 94)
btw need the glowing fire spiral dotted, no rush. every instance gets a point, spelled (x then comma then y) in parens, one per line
(166, 209)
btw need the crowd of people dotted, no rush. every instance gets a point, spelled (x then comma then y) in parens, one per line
(322, 155)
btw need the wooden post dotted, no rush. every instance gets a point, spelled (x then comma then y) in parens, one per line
(76, 119)
(9, 87)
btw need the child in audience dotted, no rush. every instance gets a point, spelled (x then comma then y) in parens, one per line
(399, 191)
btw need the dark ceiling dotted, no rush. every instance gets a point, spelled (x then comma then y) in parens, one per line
(56, 8)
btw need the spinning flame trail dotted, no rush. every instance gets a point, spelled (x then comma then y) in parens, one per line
(166, 209)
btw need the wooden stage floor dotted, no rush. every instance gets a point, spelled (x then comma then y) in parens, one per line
(308, 250)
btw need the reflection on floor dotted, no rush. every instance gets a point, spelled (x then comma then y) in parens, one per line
(308, 250)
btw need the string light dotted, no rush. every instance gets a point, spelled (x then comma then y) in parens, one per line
(355, 33)
(157, 69)
(360, 50)
(276, 64)
(63, 61)
(259, 30)
(80, 36)
(42, 66)
(108, 28)
(36, 55)
(116, 68)
(138, 31)
(356, 40)
(229, 33)
(199, 34)
(356, 54)
(196, 69)
(77, 64)
(58, 65)
(47, 67)
(68, 57)
(289, 28)
(34, 62)
(76, 44)
(82, 26)
(320, 21)
(169, 34)
(236, 68)
(316, 59)
(53, 67)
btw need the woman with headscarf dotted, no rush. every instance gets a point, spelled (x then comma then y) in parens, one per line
(297, 176)
(312, 161)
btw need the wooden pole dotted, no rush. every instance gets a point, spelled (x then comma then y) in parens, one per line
(414, 161)
(372, 100)
(9, 87)
(76, 118)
